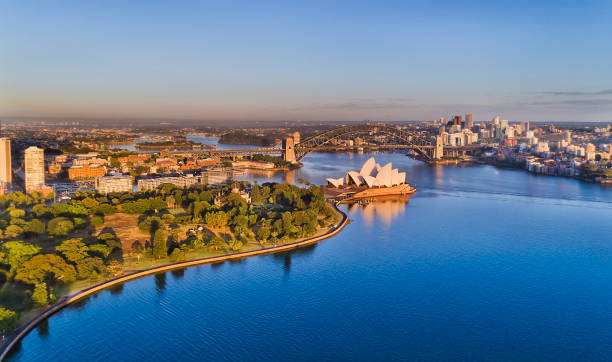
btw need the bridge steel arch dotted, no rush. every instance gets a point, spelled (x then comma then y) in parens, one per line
(413, 140)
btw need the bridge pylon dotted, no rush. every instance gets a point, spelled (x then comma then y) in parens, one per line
(289, 150)
(438, 148)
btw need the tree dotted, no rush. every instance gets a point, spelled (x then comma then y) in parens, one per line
(171, 202)
(150, 224)
(105, 209)
(8, 320)
(13, 231)
(40, 296)
(263, 234)
(110, 240)
(41, 211)
(235, 245)
(158, 204)
(17, 213)
(206, 196)
(256, 197)
(97, 221)
(197, 243)
(196, 212)
(79, 222)
(265, 192)
(100, 249)
(177, 255)
(73, 250)
(217, 243)
(240, 220)
(90, 268)
(34, 227)
(60, 226)
(235, 201)
(45, 268)
(90, 203)
(253, 219)
(16, 253)
(216, 220)
(160, 250)
(287, 222)
(242, 232)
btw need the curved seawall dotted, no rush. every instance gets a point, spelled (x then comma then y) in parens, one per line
(64, 301)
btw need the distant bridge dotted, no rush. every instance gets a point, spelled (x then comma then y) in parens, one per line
(428, 147)
(410, 139)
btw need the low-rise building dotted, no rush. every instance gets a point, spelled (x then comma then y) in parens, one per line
(84, 172)
(115, 183)
(152, 183)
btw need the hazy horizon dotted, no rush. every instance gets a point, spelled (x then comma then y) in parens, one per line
(316, 61)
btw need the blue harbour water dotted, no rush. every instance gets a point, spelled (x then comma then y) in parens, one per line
(481, 264)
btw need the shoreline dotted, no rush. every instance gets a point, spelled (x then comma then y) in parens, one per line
(18, 334)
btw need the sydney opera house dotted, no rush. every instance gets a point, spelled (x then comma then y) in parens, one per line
(371, 175)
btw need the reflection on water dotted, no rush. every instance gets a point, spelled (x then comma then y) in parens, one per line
(43, 328)
(438, 174)
(286, 257)
(384, 208)
(262, 173)
(178, 273)
(160, 282)
(290, 176)
(116, 289)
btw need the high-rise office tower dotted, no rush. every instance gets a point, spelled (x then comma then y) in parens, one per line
(34, 168)
(469, 121)
(5, 163)
(457, 120)
(525, 127)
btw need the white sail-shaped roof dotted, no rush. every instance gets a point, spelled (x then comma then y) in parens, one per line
(383, 178)
(368, 167)
(369, 180)
(354, 177)
(394, 177)
(401, 178)
(335, 182)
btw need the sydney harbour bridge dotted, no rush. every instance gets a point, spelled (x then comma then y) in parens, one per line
(425, 145)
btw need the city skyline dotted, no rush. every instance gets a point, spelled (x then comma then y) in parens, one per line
(311, 61)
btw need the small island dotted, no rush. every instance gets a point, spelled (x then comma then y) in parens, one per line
(51, 250)
(243, 138)
(259, 162)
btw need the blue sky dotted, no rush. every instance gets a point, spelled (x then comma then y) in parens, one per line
(307, 60)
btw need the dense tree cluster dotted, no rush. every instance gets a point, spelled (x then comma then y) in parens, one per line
(45, 244)
(277, 161)
(242, 138)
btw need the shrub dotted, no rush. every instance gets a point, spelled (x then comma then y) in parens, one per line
(177, 255)
(40, 297)
(97, 221)
(60, 226)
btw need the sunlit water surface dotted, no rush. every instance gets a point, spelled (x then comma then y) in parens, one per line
(481, 263)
